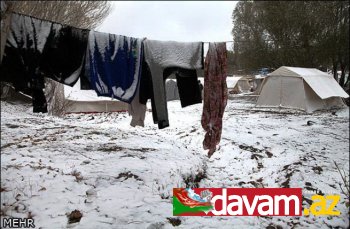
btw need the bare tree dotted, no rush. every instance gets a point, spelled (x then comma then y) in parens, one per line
(5, 25)
(79, 14)
(57, 104)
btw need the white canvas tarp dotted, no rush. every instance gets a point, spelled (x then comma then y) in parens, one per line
(301, 88)
(238, 84)
(257, 84)
(322, 83)
(172, 92)
(87, 101)
(232, 81)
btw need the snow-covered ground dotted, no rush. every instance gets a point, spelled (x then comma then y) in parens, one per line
(122, 177)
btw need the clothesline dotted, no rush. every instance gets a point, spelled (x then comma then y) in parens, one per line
(132, 70)
(218, 41)
(63, 24)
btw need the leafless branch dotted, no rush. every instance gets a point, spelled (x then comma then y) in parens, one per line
(80, 14)
(345, 182)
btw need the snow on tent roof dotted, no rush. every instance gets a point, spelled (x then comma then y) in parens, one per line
(323, 84)
(232, 81)
(296, 71)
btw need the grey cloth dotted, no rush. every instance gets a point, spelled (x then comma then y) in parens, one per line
(163, 54)
(137, 110)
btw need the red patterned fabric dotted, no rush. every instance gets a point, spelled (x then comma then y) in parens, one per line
(215, 95)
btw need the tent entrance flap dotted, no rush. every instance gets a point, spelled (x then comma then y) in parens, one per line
(271, 92)
(314, 102)
(292, 93)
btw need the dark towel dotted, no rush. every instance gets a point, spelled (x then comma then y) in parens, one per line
(39, 101)
(36, 49)
(22, 56)
(189, 91)
(64, 54)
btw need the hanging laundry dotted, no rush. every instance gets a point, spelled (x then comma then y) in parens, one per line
(135, 108)
(189, 90)
(5, 25)
(215, 95)
(146, 91)
(64, 54)
(36, 49)
(39, 101)
(137, 111)
(113, 65)
(22, 56)
(163, 58)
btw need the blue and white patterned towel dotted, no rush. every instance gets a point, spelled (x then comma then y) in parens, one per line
(114, 65)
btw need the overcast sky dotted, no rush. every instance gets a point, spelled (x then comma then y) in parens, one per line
(177, 21)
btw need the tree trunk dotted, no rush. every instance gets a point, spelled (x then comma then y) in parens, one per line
(342, 77)
(347, 81)
(335, 74)
(54, 93)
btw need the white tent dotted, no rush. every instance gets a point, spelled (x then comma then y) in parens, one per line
(64, 99)
(238, 84)
(172, 92)
(257, 83)
(307, 89)
(86, 101)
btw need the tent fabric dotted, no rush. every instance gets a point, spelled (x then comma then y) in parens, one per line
(232, 81)
(300, 88)
(327, 88)
(238, 84)
(80, 101)
(74, 106)
(257, 84)
(172, 92)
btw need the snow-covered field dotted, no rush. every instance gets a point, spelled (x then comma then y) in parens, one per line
(122, 177)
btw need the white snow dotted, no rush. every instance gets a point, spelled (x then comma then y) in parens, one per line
(22, 29)
(118, 176)
(306, 71)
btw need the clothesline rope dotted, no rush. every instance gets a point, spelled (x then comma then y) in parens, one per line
(63, 24)
(217, 41)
